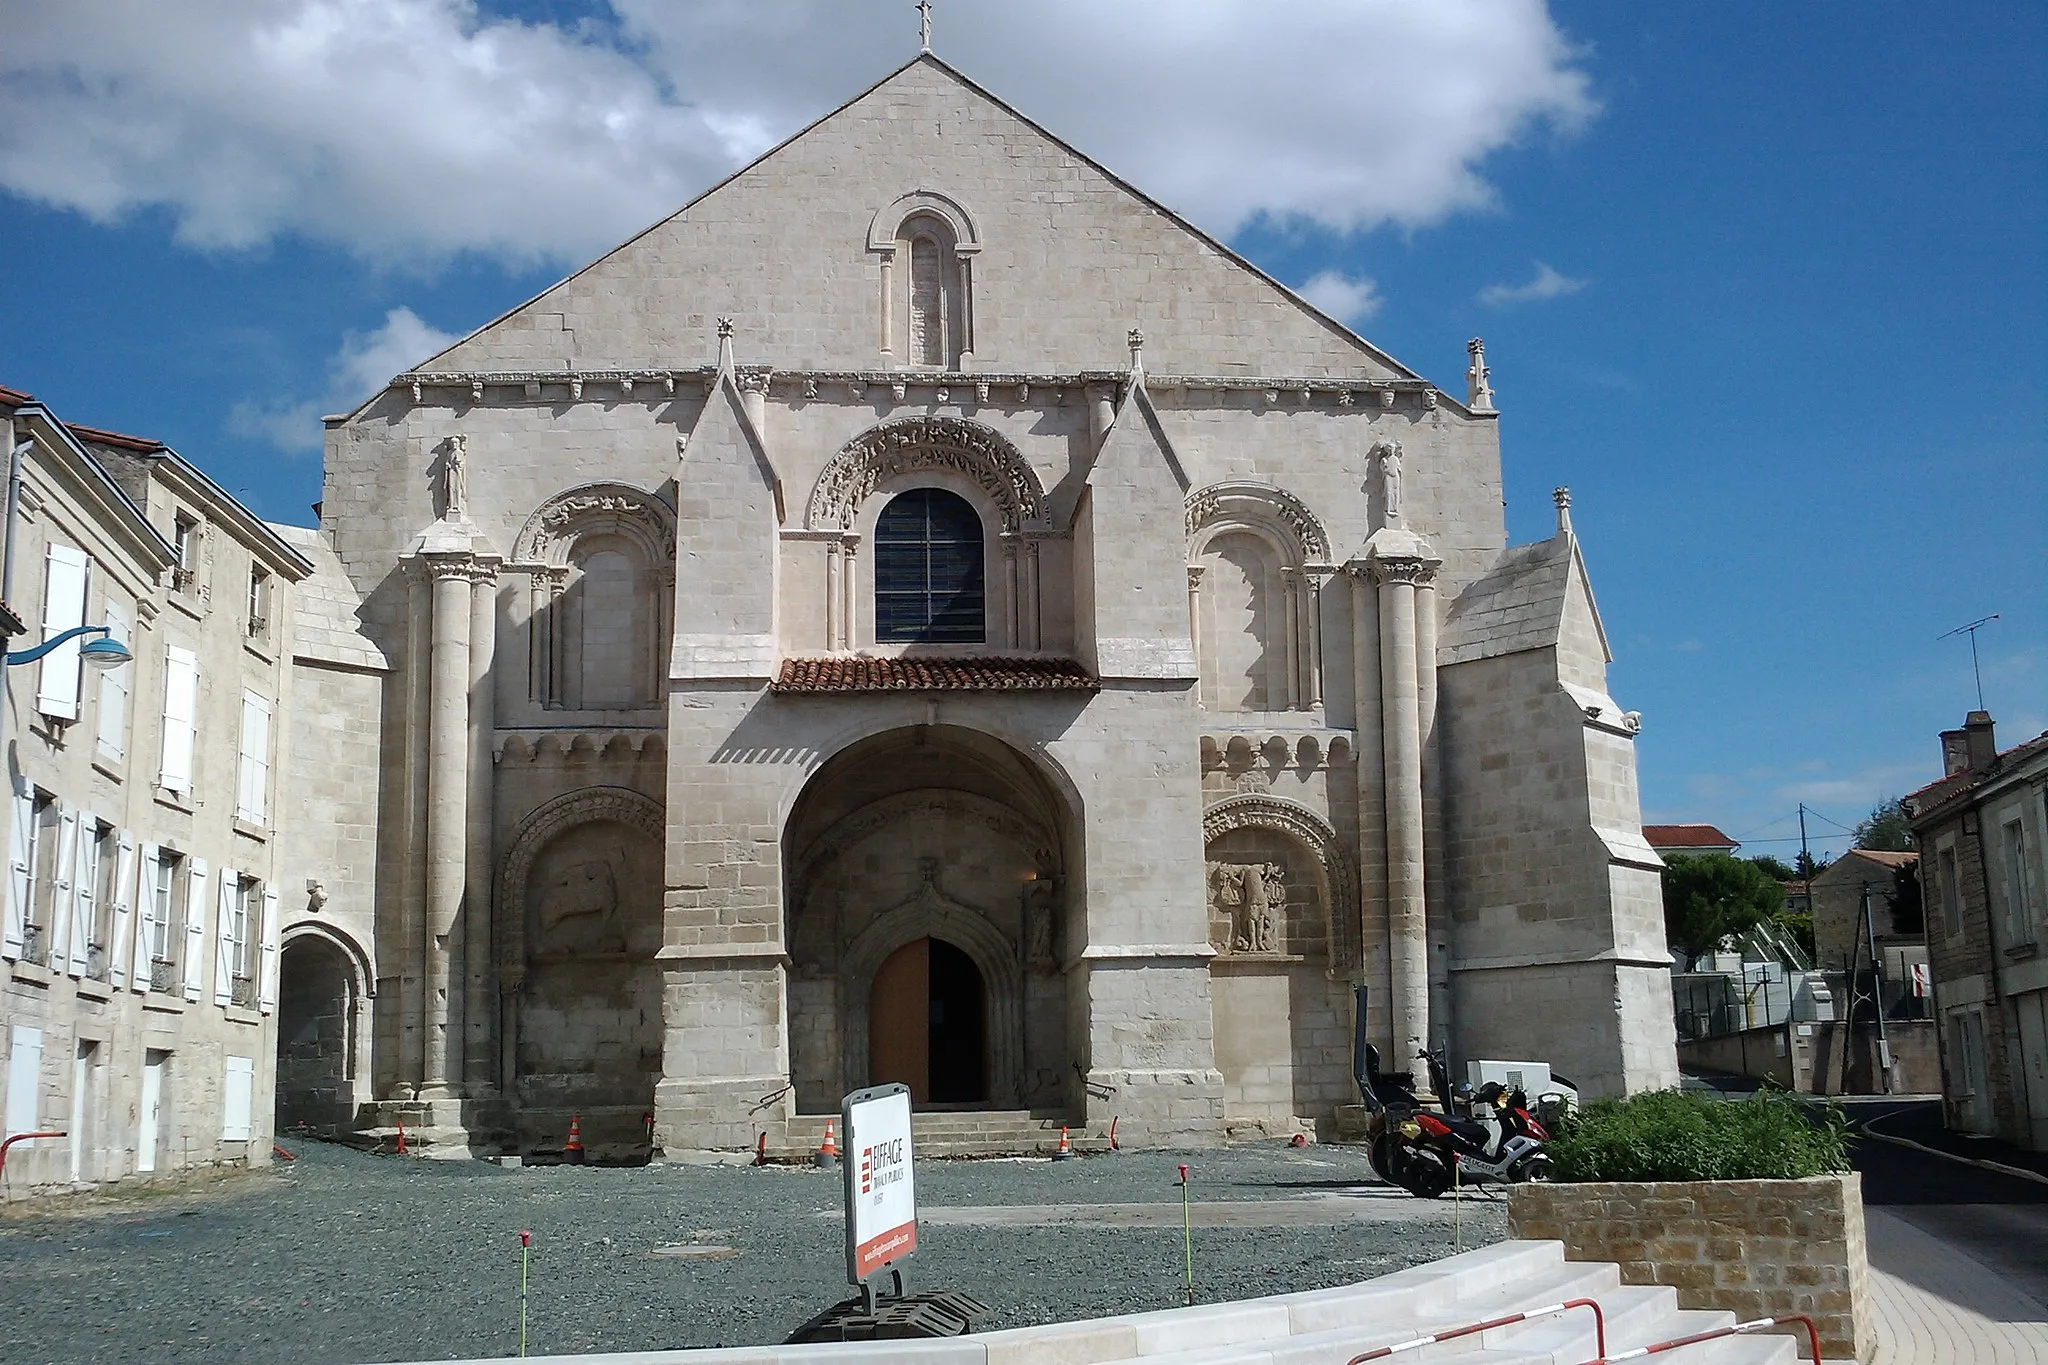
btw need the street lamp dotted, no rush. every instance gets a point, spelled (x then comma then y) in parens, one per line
(105, 652)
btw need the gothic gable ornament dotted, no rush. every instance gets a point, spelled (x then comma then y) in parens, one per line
(910, 444)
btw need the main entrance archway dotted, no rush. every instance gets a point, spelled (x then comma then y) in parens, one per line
(925, 885)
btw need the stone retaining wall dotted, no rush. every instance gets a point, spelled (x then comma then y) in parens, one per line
(1756, 1248)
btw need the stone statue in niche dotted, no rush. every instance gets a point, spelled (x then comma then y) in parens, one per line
(1041, 924)
(1245, 901)
(579, 910)
(455, 479)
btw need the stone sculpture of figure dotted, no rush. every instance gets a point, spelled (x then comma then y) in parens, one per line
(1388, 454)
(1258, 910)
(1226, 893)
(1041, 908)
(454, 493)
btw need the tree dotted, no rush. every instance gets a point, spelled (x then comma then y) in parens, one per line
(1709, 898)
(1886, 829)
(1807, 866)
(1775, 866)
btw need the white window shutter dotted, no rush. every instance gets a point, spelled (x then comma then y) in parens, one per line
(267, 984)
(238, 1093)
(20, 841)
(181, 711)
(66, 888)
(24, 1081)
(123, 921)
(84, 886)
(63, 609)
(224, 939)
(112, 739)
(195, 926)
(145, 917)
(254, 786)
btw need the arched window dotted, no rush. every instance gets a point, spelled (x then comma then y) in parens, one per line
(933, 320)
(928, 570)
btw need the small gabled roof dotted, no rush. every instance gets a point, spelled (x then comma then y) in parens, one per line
(1934, 795)
(1520, 603)
(1680, 838)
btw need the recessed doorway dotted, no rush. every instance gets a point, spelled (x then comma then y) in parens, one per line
(928, 1024)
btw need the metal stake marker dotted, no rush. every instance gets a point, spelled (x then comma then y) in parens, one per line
(1187, 1232)
(525, 1256)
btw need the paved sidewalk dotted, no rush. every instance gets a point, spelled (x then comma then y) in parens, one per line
(1933, 1305)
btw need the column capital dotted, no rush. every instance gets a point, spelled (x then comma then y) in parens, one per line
(471, 568)
(1412, 570)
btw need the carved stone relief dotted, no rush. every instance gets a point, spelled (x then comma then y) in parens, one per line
(1247, 899)
(1259, 504)
(1280, 883)
(914, 443)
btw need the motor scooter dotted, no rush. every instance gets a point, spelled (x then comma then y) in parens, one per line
(1436, 1150)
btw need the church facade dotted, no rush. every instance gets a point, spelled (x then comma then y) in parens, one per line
(924, 612)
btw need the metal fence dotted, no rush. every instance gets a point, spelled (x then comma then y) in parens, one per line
(1716, 1004)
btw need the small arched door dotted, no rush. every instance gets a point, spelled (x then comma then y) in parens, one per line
(928, 1024)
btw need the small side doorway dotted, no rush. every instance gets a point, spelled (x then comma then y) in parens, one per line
(928, 1025)
(151, 1110)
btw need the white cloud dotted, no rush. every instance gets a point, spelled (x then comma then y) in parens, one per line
(1343, 298)
(395, 127)
(1547, 284)
(363, 365)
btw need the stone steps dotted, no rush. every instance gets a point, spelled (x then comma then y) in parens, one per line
(950, 1132)
(1330, 1326)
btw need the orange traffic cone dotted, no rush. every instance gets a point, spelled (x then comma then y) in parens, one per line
(572, 1150)
(1065, 1151)
(828, 1150)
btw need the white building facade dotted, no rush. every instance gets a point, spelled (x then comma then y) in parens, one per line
(142, 910)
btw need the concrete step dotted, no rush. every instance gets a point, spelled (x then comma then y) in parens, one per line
(957, 1133)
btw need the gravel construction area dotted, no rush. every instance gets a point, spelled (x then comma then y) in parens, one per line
(344, 1258)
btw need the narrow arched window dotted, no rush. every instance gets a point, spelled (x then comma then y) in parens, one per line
(927, 302)
(928, 570)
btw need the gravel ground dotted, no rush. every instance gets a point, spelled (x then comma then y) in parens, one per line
(344, 1258)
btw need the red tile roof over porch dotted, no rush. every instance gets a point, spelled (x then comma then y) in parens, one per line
(1680, 837)
(933, 675)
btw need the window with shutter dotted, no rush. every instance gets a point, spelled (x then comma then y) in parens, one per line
(24, 1081)
(193, 966)
(64, 582)
(238, 1093)
(85, 881)
(253, 788)
(268, 983)
(181, 701)
(121, 922)
(112, 739)
(20, 868)
(63, 890)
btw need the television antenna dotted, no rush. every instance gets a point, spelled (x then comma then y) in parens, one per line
(1971, 630)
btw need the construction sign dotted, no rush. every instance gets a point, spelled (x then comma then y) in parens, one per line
(881, 1197)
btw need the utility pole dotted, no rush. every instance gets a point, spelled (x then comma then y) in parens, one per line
(1805, 859)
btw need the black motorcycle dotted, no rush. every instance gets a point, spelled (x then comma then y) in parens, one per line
(1436, 1150)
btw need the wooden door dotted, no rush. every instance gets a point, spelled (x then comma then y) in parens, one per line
(899, 1021)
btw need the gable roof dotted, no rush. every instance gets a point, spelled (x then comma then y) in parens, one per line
(1930, 798)
(451, 356)
(1703, 838)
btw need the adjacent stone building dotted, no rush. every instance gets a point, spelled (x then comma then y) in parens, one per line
(926, 612)
(1981, 831)
(143, 906)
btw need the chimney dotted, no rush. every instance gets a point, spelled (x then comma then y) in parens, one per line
(1970, 749)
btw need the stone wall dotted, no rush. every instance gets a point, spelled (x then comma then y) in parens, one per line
(1755, 1248)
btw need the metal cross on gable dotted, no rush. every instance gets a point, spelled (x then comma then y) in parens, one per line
(924, 20)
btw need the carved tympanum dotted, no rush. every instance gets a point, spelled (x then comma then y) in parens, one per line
(910, 444)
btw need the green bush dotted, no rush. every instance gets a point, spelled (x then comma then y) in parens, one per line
(1681, 1135)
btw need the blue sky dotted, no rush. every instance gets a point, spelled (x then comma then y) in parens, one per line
(1764, 283)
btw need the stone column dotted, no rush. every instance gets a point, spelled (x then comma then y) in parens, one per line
(1407, 907)
(1031, 623)
(1427, 604)
(833, 614)
(1290, 610)
(1013, 597)
(479, 966)
(1313, 597)
(447, 806)
(849, 586)
(1195, 572)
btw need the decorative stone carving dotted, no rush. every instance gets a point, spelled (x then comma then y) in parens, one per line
(1386, 456)
(621, 805)
(924, 807)
(1264, 504)
(1478, 392)
(552, 530)
(1042, 925)
(1410, 569)
(1338, 888)
(579, 910)
(1387, 399)
(1247, 895)
(454, 483)
(909, 444)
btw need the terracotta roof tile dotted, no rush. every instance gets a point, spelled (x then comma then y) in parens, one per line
(933, 675)
(1686, 836)
(1946, 789)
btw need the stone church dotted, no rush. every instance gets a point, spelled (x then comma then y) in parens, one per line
(924, 612)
